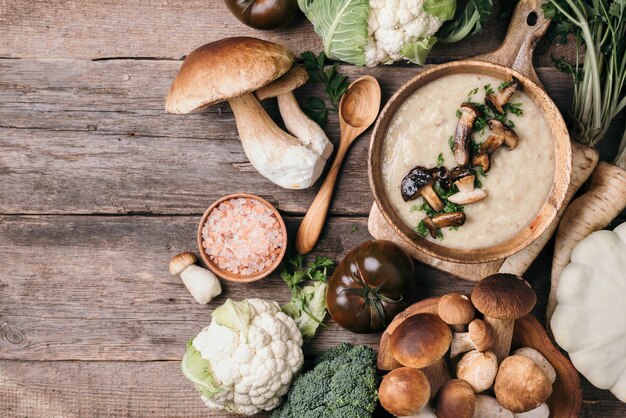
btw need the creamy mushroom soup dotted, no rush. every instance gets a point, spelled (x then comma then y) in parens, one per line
(517, 184)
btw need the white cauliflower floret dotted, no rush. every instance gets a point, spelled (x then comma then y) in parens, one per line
(394, 24)
(249, 355)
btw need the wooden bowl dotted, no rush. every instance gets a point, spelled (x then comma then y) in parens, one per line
(225, 274)
(560, 184)
(566, 397)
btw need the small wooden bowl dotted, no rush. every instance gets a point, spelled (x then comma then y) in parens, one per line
(225, 274)
(566, 397)
(528, 234)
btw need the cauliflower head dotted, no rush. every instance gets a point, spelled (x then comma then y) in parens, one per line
(400, 29)
(245, 360)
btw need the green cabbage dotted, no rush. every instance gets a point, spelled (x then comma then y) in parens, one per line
(198, 370)
(342, 25)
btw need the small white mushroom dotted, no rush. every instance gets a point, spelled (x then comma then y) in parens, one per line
(542, 411)
(200, 282)
(489, 407)
(478, 369)
(425, 412)
(539, 359)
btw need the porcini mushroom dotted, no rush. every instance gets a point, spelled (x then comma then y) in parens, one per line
(296, 121)
(425, 412)
(421, 341)
(489, 407)
(502, 298)
(443, 220)
(539, 359)
(521, 385)
(500, 134)
(200, 282)
(455, 399)
(420, 181)
(481, 160)
(478, 369)
(467, 192)
(542, 411)
(479, 337)
(404, 391)
(455, 310)
(497, 101)
(232, 69)
(469, 113)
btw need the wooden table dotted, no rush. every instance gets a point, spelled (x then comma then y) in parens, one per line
(99, 187)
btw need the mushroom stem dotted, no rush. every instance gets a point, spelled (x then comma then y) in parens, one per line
(463, 198)
(432, 198)
(302, 127)
(503, 335)
(200, 282)
(275, 154)
(437, 375)
(461, 342)
(489, 407)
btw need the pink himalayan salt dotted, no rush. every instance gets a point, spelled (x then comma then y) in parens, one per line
(242, 236)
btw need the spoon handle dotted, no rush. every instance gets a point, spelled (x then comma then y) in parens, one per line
(313, 222)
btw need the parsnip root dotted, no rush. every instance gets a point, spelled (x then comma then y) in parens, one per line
(594, 210)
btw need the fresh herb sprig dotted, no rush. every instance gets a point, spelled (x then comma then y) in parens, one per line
(294, 273)
(335, 85)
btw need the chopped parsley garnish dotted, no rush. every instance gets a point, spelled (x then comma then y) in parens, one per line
(515, 108)
(451, 142)
(458, 113)
(421, 228)
(440, 161)
(488, 89)
(504, 85)
(471, 93)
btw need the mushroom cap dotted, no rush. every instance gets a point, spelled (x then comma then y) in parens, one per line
(521, 385)
(455, 309)
(224, 70)
(180, 262)
(404, 391)
(488, 407)
(503, 296)
(455, 399)
(539, 359)
(291, 80)
(478, 369)
(418, 178)
(481, 335)
(420, 340)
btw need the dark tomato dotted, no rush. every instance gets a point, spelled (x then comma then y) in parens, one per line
(370, 286)
(263, 14)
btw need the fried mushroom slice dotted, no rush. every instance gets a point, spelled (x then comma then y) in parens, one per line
(420, 181)
(443, 220)
(469, 113)
(497, 101)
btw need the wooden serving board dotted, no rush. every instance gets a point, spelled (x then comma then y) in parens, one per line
(584, 161)
(566, 398)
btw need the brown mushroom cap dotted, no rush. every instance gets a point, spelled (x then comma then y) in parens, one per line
(226, 69)
(521, 385)
(180, 262)
(420, 340)
(481, 334)
(503, 296)
(455, 399)
(404, 391)
(455, 309)
(291, 80)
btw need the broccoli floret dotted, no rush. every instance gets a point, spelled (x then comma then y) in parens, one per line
(341, 385)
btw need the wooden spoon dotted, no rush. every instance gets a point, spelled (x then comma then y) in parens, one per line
(358, 109)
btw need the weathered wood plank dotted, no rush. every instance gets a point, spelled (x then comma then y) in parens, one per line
(97, 288)
(91, 137)
(153, 28)
(105, 389)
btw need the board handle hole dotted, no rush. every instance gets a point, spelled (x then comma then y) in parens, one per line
(532, 19)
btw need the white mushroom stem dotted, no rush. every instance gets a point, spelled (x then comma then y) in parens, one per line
(201, 283)
(275, 154)
(462, 198)
(489, 407)
(461, 342)
(503, 334)
(301, 126)
(437, 374)
(478, 369)
(542, 411)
